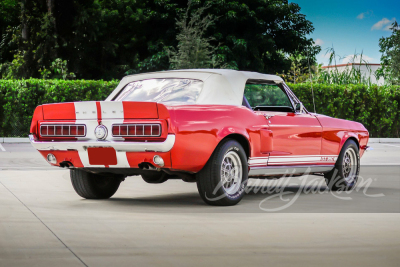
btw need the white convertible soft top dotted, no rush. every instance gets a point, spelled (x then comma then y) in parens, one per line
(221, 86)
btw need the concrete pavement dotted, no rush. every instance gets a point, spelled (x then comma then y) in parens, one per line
(43, 222)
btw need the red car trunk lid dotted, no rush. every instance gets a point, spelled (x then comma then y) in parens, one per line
(100, 110)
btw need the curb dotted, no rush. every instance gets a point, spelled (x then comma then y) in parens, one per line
(384, 140)
(14, 140)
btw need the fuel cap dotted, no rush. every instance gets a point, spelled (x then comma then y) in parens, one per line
(100, 132)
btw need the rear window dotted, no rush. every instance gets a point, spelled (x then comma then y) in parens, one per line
(167, 91)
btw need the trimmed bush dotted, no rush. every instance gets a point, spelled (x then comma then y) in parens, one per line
(377, 107)
(19, 98)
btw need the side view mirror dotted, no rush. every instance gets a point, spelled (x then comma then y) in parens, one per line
(299, 108)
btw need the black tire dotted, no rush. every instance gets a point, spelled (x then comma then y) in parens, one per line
(155, 177)
(209, 182)
(345, 174)
(94, 186)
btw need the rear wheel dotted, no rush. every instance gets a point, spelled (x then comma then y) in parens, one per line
(94, 186)
(347, 168)
(223, 179)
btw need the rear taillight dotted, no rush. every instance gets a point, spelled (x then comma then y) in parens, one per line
(136, 130)
(61, 130)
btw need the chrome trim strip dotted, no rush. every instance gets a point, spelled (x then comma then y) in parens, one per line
(277, 170)
(118, 145)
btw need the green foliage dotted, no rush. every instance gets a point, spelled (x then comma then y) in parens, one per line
(19, 98)
(351, 74)
(9, 11)
(106, 39)
(376, 107)
(390, 49)
(58, 70)
(298, 73)
(194, 50)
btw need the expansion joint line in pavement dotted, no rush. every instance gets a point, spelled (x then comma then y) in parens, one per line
(45, 225)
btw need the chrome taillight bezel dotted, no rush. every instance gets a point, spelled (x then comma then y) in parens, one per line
(136, 125)
(68, 126)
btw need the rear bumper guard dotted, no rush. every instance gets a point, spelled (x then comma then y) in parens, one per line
(119, 146)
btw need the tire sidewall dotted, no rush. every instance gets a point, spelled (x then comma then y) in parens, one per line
(352, 145)
(336, 180)
(227, 147)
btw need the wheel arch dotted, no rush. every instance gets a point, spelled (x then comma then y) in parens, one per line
(241, 139)
(347, 138)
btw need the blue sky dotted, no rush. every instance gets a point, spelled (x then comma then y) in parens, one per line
(350, 26)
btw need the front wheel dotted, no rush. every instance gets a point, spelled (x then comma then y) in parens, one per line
(223, 179)
(94, 186)
(347, 168)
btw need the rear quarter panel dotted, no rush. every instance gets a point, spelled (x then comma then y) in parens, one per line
(200, 128)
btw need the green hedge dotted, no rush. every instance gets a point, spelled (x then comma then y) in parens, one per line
(19, 98)
(375, 107)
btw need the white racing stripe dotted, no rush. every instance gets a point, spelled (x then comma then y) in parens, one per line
(290, 160)
(85, 110)
(112, 110)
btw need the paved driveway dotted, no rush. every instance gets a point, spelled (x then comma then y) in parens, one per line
(295, 221)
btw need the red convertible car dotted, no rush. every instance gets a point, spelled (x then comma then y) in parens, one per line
(217, 128)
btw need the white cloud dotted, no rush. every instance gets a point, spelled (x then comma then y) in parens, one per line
(384, 24)
(365, 14)
(319, 42)
(357, 59)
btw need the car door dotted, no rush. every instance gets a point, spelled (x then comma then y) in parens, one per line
(296, 139)
(296, 136)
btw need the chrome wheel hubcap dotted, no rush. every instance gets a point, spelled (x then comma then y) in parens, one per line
(350, 165)
(231, 172)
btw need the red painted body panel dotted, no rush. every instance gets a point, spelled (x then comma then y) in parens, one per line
(135, 158)
(198, 130)
(62, 111)
(294, 134)
(37, 116)
(61, 156)
(337, 132)
(140, 110)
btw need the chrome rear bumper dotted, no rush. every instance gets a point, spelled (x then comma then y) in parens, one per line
(119, 146)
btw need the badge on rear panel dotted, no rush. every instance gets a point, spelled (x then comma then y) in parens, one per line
(100, 132)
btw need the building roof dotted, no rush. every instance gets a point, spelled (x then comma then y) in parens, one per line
(350, 64)
(221, 86)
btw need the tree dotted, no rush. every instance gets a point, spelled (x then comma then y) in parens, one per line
(298, 73)
(390, 49)
(194, 50)
(106, 39)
